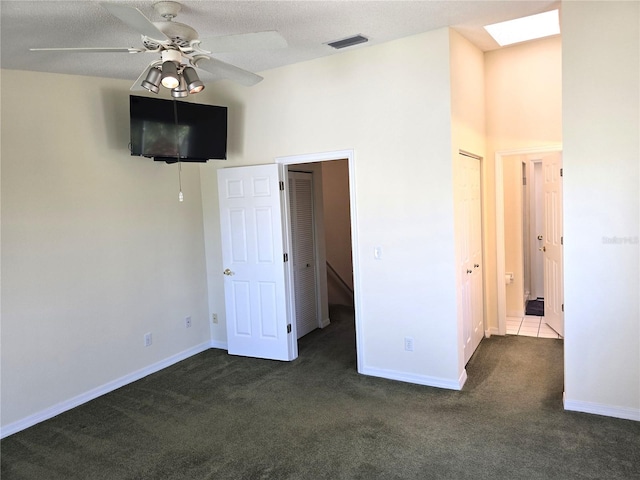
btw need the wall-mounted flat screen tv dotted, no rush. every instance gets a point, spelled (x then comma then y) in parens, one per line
(172, 131)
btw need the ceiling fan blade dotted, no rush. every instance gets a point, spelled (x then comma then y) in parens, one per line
(90, 50)
(243, 42)
(228, 71)
(135, 19)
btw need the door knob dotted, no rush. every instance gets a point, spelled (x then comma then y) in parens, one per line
(228, 272)
(476, 265)
(539, 237)
(543, 249)
(469, 271)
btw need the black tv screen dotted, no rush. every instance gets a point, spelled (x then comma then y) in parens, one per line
(168, 130)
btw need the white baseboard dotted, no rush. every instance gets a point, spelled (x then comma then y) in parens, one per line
(325, 323)
(515, 313)
(492, 331)
(220, 345)
(625, 413)
(78, 400)
(417, 379)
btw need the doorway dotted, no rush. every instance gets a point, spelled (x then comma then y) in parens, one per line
(321, 257)
(256, 247)
(529, 241)
(346, 266)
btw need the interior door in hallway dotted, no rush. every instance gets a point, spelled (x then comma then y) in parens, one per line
(469, 240)
(552, 238)
(537, 231)
(303, 251)
(253, 248)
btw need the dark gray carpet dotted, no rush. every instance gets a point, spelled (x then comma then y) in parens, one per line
(215, 416)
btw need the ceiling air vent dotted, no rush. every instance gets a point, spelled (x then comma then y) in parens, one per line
(348, 42)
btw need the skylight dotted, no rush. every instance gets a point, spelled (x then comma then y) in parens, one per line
(525, 28)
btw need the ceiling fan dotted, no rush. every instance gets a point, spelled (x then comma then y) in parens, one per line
(180, 50)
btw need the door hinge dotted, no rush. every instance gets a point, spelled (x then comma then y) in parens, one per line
(288, 328)
(561, 240)
(563, 307)
(286, 257)
(561, 171)
(281, 186)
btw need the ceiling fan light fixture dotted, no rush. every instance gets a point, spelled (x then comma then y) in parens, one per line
(179, 45)
(194, 84)
(170, 74)
(181, 90)
(152, 81)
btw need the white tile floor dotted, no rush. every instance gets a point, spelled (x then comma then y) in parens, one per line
(530, 327)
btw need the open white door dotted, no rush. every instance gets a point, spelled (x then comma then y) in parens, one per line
(253, 256)
(552, 248)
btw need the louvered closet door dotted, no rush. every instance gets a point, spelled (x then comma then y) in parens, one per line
(303, 251)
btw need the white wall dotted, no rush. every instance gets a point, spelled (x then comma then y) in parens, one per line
(601, 124)
(96, 249)
(391, 104)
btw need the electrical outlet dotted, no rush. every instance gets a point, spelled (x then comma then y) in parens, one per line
(147, 339)
(187, 322)
(408, 344)
(214, 317)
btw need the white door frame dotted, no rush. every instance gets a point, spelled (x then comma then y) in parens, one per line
(349, 155)
(500, 247)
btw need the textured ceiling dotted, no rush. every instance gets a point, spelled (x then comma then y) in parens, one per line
(306, 25)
